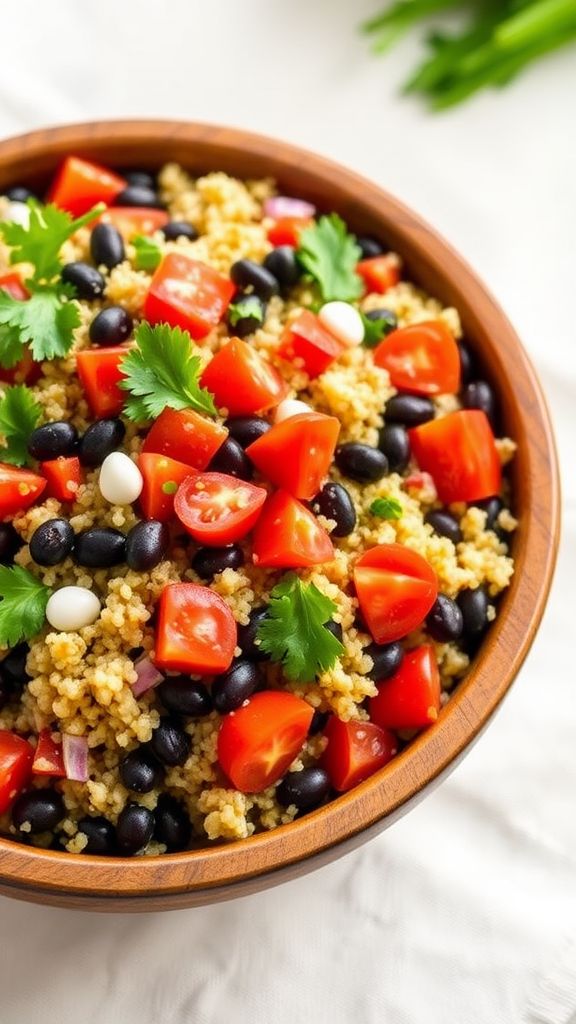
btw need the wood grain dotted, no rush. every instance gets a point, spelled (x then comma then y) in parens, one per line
(223, 872)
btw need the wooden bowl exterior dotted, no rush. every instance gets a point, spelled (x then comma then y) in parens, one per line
(217, 873)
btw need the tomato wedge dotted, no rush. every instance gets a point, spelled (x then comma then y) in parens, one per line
(305, 340)
(460, 453)
(379, 273)
(48, 756)
(410, 699)
(396, 589)
(217, 509)
(99, 373)
(12, 283)
(188, 294)
(134, 220)
(19, 488)
(63, 476)
(196, 631)
(355, 751)
(80, 184)
(242, 381)
(288, 536)
(162, 477)
(422, 358)
(16, 757)
(286, 230)
(25, 370)
(257, 743)
(186, 436)
(296, 453)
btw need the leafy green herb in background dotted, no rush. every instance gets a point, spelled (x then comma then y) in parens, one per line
(329, 254)
(19, 415)
(23, 605)
(148, 253)
(375, 330)
(386, 508)
(294, 630)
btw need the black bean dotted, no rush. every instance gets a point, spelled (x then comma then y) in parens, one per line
(232, 460)
(395, 444)
(52, 542)
(245, 315)
(140, 771)
(478, 394)
(248, 635)
(52, 440)
(101, 438)
(170, 743)
(207, 562)
(13, 666)
(179, 229)
(106, 246)
(474, 607)
(100, 547)
(283, 265)
(100, 833)
(445, 621)
(334, 502)
(410, 410)
(185, 696)
(369, 246)
(41, 809)
(111, 326)
(248, 274)
(305, 789)
(173, 826)
(467, 363)
(139, 195)
(390, 318)
(335, 628)
(246, 429)
(319, 722)
(135, 828)
(492, 507)
(360, 462)
(141, 178)
(87, 281)
(146, 545)
(230, 690)
(19, 194)
(387, 659)
(10, 543)
(444, 524)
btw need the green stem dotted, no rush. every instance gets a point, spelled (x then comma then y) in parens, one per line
(534, 21)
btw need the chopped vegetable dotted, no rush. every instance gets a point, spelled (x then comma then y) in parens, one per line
(196, 631)
(375, 330)
(242, 381)
(355, 751)
(410, 699)
(23, 605)
(147, 676)
(75, 753)
(48, 757)
(148, 253)
(379, 273)
(16, 757)
(246, 307)
(185, 436)
(288, 535)
(294, 632)
(396, 588)
(386, 508)
(80, 183)
(330, 255)
(46, 321)
(19, 415)
(63, 476)
(278, 207)
(19, 488)
(458, 450)
(422, 358)
(217, 509)
(100, 374)
(306, 340)
(188, 294)
(41, 241)
(296, 453)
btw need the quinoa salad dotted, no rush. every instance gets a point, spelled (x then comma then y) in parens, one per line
(254, 517)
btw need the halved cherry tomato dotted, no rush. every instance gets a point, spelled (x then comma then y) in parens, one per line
(196, 631)
(288, 536)
(188, 294)
(162, 477)
(80, 184)
(410, 699)
(286, 230)
(355, 751)
(459, 452)
(12, 283)
(134, 220)
(217, 509)
(396, 589)
(422, 358)
(16, 757)
(242, 381)
(26, 370)
(99, 373)
(64, 477)
(19, 488)
(186, 436)
(305, 339)
(257, 743)
(379, 272)
(48, 756)
(296, 453)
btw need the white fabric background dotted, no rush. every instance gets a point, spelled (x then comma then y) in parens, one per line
(459, 911)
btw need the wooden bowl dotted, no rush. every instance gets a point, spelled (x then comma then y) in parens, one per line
(221, 872)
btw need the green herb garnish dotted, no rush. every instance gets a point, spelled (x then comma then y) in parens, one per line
(19, 415)
(386, 508)
(375, 330)
(148, 253)
(40, 241)
(169, 487)
(329, 254)
(248, 307)
(23, 605)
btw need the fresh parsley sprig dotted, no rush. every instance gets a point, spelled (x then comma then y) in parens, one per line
(386, 508)
(377, 328)
(19, 415)
(23, 605)
(329, 253)
(148, 253)
(40, 242)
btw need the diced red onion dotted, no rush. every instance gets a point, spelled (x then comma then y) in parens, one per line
(286, 206)
(148, 677)
(75, 753)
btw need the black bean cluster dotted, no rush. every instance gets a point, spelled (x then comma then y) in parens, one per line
(101, 547)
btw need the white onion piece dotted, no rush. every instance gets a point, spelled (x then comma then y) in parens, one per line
(75, 753)
(343, 321)
(286, 206)
(290, 407)
(72, 608)
(148, 677)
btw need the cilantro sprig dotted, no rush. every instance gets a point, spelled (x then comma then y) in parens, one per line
(377, 327)
(23, 605)
(294, 630)
(386, 508)
(19, 415)
(148, 253)
(41, 240)
(329, 254)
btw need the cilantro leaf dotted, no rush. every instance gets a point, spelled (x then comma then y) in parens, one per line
(148, 253)
(19, 415)
(386, 508)
(294, 630)
(247, 307)
(40, 242)
(377, 327)
(46, 320)
(163, 371)
(23, 605)
(330, 254)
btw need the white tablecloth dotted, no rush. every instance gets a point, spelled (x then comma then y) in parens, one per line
(465, 910)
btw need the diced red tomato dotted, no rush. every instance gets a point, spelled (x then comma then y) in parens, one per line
(460, 453)
(188, 294)
(134, 220)
(257, 743)
(26, 370)
(16, 757)
(305, 340)
(80, 184)
(162, 477)
(422, 358)
(99, 373)
(296, 453)
(64, 476)
(242, 381)
(379, 272)
(48, 756)
(287, 230)
(410, 699)
(396, 589)
(217, 509)
(19, 488)
(288, 536)
(196, 631)
(12, 284)
(186, 436)
(355, 751)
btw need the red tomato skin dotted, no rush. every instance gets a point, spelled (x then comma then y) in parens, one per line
(12, 283)
(396, 588)
(186, 436)
(63, 476)
(306, 340)
(19, 488)
(134, 220)
(99, 373)
(287, 230)
(26, 371)
(459, 452)
(355, 751)
(421, 358)
(242, 381)
(188, 294)
(410, 699)
(48, 756)
(379, 273)
(158, 470)
(80, 184)
(188, 506)
(288, 536)
(297, 453)
(257, 743)
(196, 631)
(16, 756)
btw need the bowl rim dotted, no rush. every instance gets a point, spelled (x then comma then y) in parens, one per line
(346, 821)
